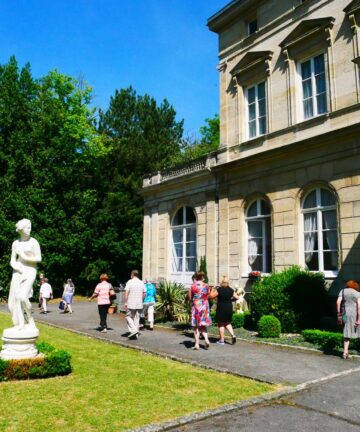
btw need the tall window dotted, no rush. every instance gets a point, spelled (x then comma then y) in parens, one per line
(313, 78)
(183, 229)
(320, 231)
(256, 110)
(259, 236)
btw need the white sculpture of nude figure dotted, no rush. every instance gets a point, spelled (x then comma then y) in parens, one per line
(25, 254)
(241, 304)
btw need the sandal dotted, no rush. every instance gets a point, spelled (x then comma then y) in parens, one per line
(207, 345)
(345, 356)
(195, 348)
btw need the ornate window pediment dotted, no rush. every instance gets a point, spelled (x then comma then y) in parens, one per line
(253, 66)
(319, 28)
(352, 11)
(352, 7)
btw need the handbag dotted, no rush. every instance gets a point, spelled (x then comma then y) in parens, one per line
(112, 294)
(342, 309)
(62, 305)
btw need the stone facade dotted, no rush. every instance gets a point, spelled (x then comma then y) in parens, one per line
(294, 154)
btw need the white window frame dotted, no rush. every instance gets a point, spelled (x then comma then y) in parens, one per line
(319, 210)
(257, 117)
(313, 87)
(183, 276)
(258, 218)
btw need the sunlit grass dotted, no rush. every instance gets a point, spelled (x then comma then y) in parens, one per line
(113, 388)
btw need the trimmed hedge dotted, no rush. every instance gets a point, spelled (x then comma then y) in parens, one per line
(328, 340)
(295, 296)
(54, 362)
(269, 327)
(238, 320)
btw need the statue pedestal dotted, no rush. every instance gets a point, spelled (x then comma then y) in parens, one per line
(19, 344)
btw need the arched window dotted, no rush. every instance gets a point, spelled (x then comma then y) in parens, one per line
(183, 262)
(259, 236)
(320, 231)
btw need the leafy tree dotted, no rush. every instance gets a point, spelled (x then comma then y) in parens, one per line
(192, 149)
(47, 139)
(141, 137)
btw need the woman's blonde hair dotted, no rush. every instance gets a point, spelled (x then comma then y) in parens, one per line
(224, 281)
(104, 277)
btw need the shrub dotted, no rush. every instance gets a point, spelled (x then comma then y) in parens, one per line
(296, 297)
(55, 362)
(238, 320)
(328, 340)
(269, 326)
(171, 301)
(203, 268)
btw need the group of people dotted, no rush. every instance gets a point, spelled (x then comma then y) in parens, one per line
(46, 294)
(139, 302)
(199, 295)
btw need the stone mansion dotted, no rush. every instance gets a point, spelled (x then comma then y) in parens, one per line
(284, 187)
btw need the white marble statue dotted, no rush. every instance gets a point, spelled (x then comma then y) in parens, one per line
(241, 304)
(19, 341)
(25, 254)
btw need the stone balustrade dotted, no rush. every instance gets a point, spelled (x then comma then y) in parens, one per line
(200, 164)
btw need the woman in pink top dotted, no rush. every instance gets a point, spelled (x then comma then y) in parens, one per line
(102, 292)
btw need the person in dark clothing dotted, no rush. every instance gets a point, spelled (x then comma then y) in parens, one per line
(224, 310)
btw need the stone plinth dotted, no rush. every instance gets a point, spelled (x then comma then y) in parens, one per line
(19, 344)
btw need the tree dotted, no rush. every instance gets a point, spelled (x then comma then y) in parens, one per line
(210, 133)
(192, 148)
(141, 137)
(48, 142)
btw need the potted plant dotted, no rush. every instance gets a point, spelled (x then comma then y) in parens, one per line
(112, 308)
(254, 276)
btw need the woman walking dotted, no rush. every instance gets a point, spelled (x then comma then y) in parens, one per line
(102, 292)
(149, 304)
(350, 297)
(224, 310)
(68, 294)
(200, 315)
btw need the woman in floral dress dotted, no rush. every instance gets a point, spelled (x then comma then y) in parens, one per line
(200, 313)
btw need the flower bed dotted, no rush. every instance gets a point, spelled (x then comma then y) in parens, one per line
(54, 362)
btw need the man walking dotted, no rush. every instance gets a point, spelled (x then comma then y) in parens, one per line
(134, 297)
(45, 294)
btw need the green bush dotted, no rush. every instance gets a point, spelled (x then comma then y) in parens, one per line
(238, 320)
(328, 340)
(296, 297)
(53, 363)
(269, 327)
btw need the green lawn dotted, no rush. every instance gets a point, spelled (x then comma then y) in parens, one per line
(112, 389)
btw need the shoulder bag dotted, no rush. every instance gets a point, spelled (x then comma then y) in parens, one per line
(342, 309)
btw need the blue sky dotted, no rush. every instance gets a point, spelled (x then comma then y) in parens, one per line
(160, 47)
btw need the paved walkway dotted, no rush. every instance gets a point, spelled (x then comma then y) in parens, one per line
(329, 404)
(258, 361)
